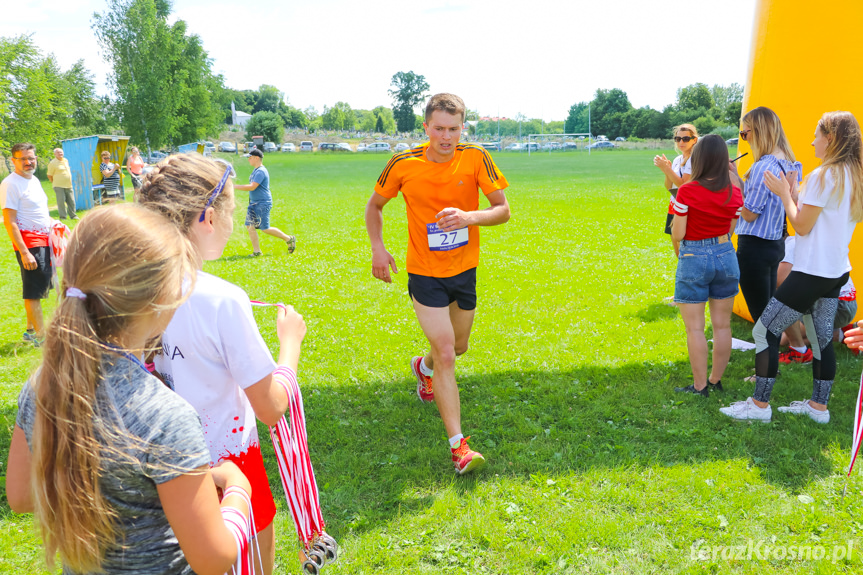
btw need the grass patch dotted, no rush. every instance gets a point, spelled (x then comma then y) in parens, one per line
(595, 464)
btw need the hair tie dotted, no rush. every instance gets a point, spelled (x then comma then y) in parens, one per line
(75, 292)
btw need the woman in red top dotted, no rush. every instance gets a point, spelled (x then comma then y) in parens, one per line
(705, 213)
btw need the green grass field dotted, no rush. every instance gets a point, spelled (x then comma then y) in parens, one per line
(594, 464)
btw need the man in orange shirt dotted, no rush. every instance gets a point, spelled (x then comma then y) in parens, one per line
(440, 183)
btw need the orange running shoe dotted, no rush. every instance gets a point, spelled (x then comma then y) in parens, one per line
(424, 383)
(465, 459)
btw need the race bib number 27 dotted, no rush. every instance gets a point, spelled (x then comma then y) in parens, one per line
(441, 241)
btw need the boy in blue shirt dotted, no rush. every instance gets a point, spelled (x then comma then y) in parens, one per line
(260, 204)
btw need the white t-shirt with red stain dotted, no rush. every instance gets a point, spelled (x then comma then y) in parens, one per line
(212, 351)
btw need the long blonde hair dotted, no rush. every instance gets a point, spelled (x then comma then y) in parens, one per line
(844, 152)
(129, 262)
(767, 134)
(180, 186)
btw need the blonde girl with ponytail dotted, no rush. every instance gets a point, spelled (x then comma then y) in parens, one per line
(113, 464)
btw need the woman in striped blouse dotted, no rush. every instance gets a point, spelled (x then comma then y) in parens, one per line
(761, 228)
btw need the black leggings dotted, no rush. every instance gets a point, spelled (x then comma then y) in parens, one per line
(758, 260)
(800, 295)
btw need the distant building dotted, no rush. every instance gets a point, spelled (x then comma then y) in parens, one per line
(239, 118)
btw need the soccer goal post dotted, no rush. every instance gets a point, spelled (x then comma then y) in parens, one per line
(551, 142)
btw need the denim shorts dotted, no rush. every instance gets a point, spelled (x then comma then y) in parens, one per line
(258, 215)
(706, 270)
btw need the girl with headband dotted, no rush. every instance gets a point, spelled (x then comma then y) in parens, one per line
(212, 352)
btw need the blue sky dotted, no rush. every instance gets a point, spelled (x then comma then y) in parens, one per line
(537, 57)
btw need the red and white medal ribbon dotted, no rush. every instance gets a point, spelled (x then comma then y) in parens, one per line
(291, 446)
(295, 466)
(858, 428)
(243, 531)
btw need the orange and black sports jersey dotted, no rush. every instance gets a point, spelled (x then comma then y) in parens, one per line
(428, 188)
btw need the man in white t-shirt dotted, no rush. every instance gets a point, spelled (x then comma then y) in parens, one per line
(26, 218)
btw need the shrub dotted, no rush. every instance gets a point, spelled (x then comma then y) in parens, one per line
(726, 132)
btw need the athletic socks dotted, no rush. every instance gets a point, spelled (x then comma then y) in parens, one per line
(425, 370)
(455, 440)
(799, 349)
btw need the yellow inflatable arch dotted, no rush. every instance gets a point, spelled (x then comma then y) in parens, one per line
(806, 59)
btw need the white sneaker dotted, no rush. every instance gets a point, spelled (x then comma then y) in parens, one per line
(747, 410)
(803, 408)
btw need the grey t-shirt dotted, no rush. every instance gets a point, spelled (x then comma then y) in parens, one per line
(155, 436)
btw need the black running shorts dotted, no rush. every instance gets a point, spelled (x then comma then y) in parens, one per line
(37, 282)
(440, 292)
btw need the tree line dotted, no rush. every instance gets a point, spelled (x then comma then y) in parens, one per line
(611, 113)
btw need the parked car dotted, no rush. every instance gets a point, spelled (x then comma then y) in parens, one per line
(531, 147)
(306, 146)
(247, 147)
(155, 157)
(601, 138)
(620, 139)
(732, 141)
(289, 147)
(515, 147)
(343, 146)
(491, 145)
(402, 147)
(227, 147)
(416, 145)
(570, 146)
(361, 147)
(601, 145)
(325, 147)
(378, 147)
(269, 147)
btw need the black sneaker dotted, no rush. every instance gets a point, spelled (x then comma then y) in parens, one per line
(715, 386)
(691, 389)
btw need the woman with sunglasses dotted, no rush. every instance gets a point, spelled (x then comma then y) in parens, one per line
(212, 352)
(705, 212)
(761, 230)
(824, 218)
(679, 171)
(135, 164)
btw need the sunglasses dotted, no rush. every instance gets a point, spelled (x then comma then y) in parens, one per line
(685, 139)
(744, 134)
(229, 171)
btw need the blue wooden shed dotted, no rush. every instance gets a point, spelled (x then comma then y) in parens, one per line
(193, 147)
(84, 155)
